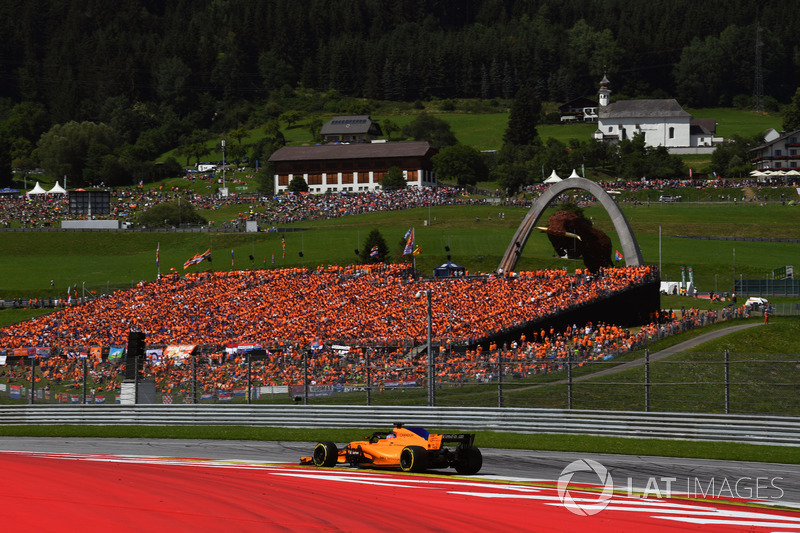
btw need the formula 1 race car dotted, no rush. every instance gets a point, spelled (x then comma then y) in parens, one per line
(411, 449)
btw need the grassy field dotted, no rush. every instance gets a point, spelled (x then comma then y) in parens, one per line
(476, 236)
(736, 121)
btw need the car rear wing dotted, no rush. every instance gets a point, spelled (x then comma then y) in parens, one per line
(465, 439)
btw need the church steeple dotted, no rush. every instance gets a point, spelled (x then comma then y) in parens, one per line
(605, 92)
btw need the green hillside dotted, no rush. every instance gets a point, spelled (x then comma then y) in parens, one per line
(477, 238)
(484, 131)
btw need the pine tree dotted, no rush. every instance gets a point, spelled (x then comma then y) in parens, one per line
(374, 239)
(6, 174)
(791, 113)
(523, 117)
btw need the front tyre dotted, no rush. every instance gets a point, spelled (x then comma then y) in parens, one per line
(325, 454)
(470, 461)
(414, 459)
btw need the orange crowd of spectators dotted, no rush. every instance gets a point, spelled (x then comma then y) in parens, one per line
(356, 304)
(536, 352)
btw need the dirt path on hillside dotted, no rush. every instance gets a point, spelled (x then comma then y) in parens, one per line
(666, 352)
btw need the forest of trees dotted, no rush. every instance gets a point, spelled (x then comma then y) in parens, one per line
(166, 74)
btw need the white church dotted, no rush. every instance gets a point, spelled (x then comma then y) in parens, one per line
(662, 122)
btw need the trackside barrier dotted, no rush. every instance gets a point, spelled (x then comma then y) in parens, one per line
(771, 430)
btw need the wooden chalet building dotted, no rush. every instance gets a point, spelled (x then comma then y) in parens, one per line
(356, 167)
(780, 151)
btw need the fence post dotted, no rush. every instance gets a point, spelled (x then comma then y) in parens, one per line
(249, 376)
(569, 381)
(500, 378)
(305, 376)
(647, 380)
(33, 380)
(194, 378)
(369, 378)
(727, 383)
(85, 371)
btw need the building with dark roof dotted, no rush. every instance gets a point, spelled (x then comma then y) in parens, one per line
(580, 109)
(357, 128)
(780, 151)
(356, 167)
(662, 122)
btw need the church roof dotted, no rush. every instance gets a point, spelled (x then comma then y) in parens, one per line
(703, 126)
(643, 109)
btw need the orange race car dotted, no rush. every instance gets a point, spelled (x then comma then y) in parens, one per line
(411, 449)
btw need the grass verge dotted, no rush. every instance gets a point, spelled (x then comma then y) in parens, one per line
(728, 451)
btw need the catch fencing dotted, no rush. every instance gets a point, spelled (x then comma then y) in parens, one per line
(713, 382)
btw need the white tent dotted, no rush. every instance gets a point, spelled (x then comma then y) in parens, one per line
(36, 190)
(57, 189)
(553, 177)
(574, 174)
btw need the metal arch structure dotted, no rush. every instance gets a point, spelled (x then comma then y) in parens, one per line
(630, 248)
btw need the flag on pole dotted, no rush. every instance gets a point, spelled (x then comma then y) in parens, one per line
(409, 242)
(198, 258)
(374, 252)
(417, 251)
(283, 245)
(232, 258)
(618, 256)
(158, 249)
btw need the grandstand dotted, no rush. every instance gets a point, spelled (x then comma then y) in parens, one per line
(369, 308)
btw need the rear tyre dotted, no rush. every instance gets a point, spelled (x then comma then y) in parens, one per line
(469, 462)
(414, 459)
(325, 454)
